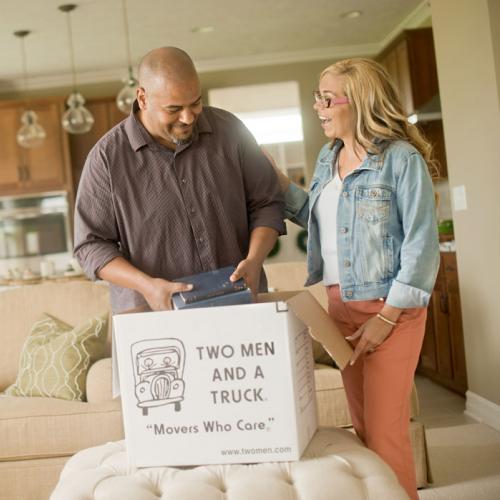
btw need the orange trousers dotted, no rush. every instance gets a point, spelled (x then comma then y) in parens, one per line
(379, 384)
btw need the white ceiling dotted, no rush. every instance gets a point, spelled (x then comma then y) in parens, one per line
(247, 33)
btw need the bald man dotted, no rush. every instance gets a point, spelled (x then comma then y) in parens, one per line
(175, 189)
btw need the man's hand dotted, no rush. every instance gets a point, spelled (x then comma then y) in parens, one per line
(371, 335)
(158, 293)
(249, 270)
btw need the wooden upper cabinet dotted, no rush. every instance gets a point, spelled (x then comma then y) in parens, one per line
(106, 116)
(433, 131)
(10, 162)
(46, 164)
(43, 168)
(411, 62)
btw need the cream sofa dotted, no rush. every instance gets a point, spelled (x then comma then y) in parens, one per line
(38, 435)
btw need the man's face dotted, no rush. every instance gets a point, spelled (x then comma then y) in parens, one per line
(169, 111)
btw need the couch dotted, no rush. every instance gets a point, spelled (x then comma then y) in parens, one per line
(38, 435)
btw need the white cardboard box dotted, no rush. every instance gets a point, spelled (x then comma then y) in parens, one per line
(220, 385)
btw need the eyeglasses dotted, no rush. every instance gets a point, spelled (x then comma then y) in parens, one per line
(328, 102)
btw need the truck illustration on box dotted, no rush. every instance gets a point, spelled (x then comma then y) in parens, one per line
(158, 368)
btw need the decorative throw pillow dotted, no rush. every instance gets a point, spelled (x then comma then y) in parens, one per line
(56, 357)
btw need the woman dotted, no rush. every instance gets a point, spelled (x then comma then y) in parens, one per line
(373, 240)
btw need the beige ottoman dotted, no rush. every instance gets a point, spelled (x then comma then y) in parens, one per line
(334, 466)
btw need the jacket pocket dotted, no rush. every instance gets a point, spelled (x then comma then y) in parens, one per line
(373, 204)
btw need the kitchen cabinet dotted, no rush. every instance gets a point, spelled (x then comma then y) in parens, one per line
(44, 168)
(106, 115)
(411, 62)
(433, 131)
(443, 354)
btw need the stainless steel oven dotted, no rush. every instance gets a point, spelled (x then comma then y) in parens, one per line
(33, 227)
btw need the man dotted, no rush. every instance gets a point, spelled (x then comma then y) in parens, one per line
(175, 189)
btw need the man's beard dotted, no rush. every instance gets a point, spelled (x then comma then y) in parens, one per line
(180, 142)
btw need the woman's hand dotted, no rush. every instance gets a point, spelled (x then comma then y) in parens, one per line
(282, 178)
(371, 335)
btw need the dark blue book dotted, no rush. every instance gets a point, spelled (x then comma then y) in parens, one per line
(229, 299)
(212, 288)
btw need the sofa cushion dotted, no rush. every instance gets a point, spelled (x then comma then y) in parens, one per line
(72, 302)
(55, 358)
(331, 400)
(330, 397)
(49, 427)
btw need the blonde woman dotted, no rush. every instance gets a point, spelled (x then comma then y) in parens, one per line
(370, 215)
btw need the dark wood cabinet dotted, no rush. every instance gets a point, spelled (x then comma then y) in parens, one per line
(410, 60)
(443, 354)
(433, 131)
(44, 168)
(106, 115)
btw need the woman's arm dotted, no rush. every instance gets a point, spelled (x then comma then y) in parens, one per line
(296, 198)
(419, 260)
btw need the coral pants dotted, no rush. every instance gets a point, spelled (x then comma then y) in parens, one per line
(379, 384)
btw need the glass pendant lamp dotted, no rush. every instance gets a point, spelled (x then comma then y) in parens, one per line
(31, 134)
(77, 119)
(126, 96)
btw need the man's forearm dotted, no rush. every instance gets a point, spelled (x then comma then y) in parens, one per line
(262, 241)
(121, 272)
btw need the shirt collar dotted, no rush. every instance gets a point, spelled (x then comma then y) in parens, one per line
(137, 134)
(373, 161)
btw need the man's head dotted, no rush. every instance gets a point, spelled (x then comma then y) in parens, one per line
(169, 95)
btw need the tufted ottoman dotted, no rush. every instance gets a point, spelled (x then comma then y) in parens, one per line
(334, 466)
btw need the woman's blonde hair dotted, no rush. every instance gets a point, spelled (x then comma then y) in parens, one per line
(379, 114)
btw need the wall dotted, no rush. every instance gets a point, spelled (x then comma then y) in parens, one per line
(467, 41)
(306, 74)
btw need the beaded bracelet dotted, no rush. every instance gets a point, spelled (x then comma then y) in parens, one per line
(387, 320)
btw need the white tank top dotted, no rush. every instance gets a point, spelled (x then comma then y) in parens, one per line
(325, 211)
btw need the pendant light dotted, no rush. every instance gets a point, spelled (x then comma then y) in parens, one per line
(77, 119)
(126, 97)
(31, 134)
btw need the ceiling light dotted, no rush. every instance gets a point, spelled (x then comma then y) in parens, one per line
(31, 134)
(77, 119)
(126, 97)
(203, 30)
(352, 14)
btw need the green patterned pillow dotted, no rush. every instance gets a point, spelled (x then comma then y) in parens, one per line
(56, 357)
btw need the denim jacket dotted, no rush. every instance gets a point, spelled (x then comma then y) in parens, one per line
(387, 237)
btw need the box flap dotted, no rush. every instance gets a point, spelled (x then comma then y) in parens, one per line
(115, 378)
(276, 296)
(323, 328)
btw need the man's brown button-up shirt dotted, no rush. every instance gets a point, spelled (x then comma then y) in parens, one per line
(173, 213)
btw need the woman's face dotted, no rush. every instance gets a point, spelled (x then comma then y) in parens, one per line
(337, 120)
